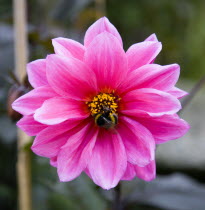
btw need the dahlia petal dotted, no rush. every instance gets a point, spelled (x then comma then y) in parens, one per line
(152, 76)
(74, 156)
(152, 38)
(48, 143)
(57, 110)
(108, 61)
(147, 173)
(70, 77)
(30, 126)
(129, 173)
(164, 128)
(68, 47)
(28, 103)
(59, 49)
(138, 141)
(178, 93)
(100, 26)
(142, 53)
(108, 161)
(152, 101)
(37, 73)
(53, 161)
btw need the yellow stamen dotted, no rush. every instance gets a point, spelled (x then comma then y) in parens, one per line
(103, 101)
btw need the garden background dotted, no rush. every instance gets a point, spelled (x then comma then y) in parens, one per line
(180, 26)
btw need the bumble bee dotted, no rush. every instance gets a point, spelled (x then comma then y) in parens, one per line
(106, 118)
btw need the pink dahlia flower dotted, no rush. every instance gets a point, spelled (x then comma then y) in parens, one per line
(98, 109)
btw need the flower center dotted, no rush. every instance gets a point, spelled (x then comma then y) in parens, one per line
(103, 108)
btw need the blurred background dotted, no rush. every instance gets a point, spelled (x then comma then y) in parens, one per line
(180, 26)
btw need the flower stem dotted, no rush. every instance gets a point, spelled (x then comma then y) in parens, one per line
(117, 202)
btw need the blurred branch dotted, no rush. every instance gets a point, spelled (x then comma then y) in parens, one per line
(193, 92)
(23, 162)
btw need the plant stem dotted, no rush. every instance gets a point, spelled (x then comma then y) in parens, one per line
(117, 203)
